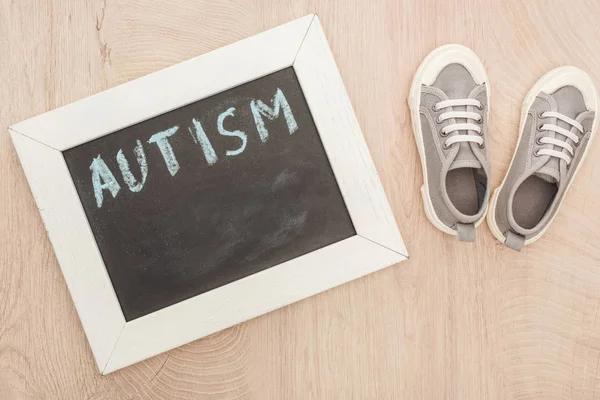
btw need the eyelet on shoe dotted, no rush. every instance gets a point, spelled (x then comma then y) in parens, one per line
(442, 133)
(538, 141)
(445, 147)
(481, 146)
(435, 108)
(438, 120)
(536, 153)
(480, 120)
(539, 128)
(480, 107)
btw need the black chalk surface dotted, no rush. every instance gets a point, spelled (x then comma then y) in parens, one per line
(236, 183)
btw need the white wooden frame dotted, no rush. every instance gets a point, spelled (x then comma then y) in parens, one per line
(41, 140)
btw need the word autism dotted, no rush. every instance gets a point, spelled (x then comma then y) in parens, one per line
(103, 180)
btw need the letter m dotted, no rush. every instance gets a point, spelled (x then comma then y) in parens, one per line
(260, 110)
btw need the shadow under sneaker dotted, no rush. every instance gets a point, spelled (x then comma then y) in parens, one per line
(557, 125)
(449, 102)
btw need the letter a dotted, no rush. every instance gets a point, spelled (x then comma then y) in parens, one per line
(102, 179)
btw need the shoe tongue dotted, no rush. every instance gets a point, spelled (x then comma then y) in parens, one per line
(465, 158)
(456, 82)
(569, 102)
(549, 173)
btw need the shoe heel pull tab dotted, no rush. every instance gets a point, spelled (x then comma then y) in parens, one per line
(465, 232)
(514, 241)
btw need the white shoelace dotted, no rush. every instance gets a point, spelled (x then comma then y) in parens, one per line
(467, 126)
(557, 142)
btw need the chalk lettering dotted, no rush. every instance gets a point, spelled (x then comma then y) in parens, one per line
(225, 132)
(165, 148)
(260, 109)
(103, 179)
(200, 137)
(128, 177)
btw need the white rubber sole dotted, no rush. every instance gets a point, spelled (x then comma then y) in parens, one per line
(426, 75)
(549, 83)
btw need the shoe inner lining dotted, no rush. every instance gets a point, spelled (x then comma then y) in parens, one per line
(531, 201)
(466, 189)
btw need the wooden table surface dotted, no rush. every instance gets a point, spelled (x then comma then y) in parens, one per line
(456, 321)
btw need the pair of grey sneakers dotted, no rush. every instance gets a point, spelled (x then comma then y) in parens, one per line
(450, 102)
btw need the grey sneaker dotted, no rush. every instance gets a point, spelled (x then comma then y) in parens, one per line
(449, 101)
(557, 125)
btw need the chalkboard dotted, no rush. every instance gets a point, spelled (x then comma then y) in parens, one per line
(209, 193)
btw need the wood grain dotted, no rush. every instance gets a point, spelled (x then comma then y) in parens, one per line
(457, 321)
